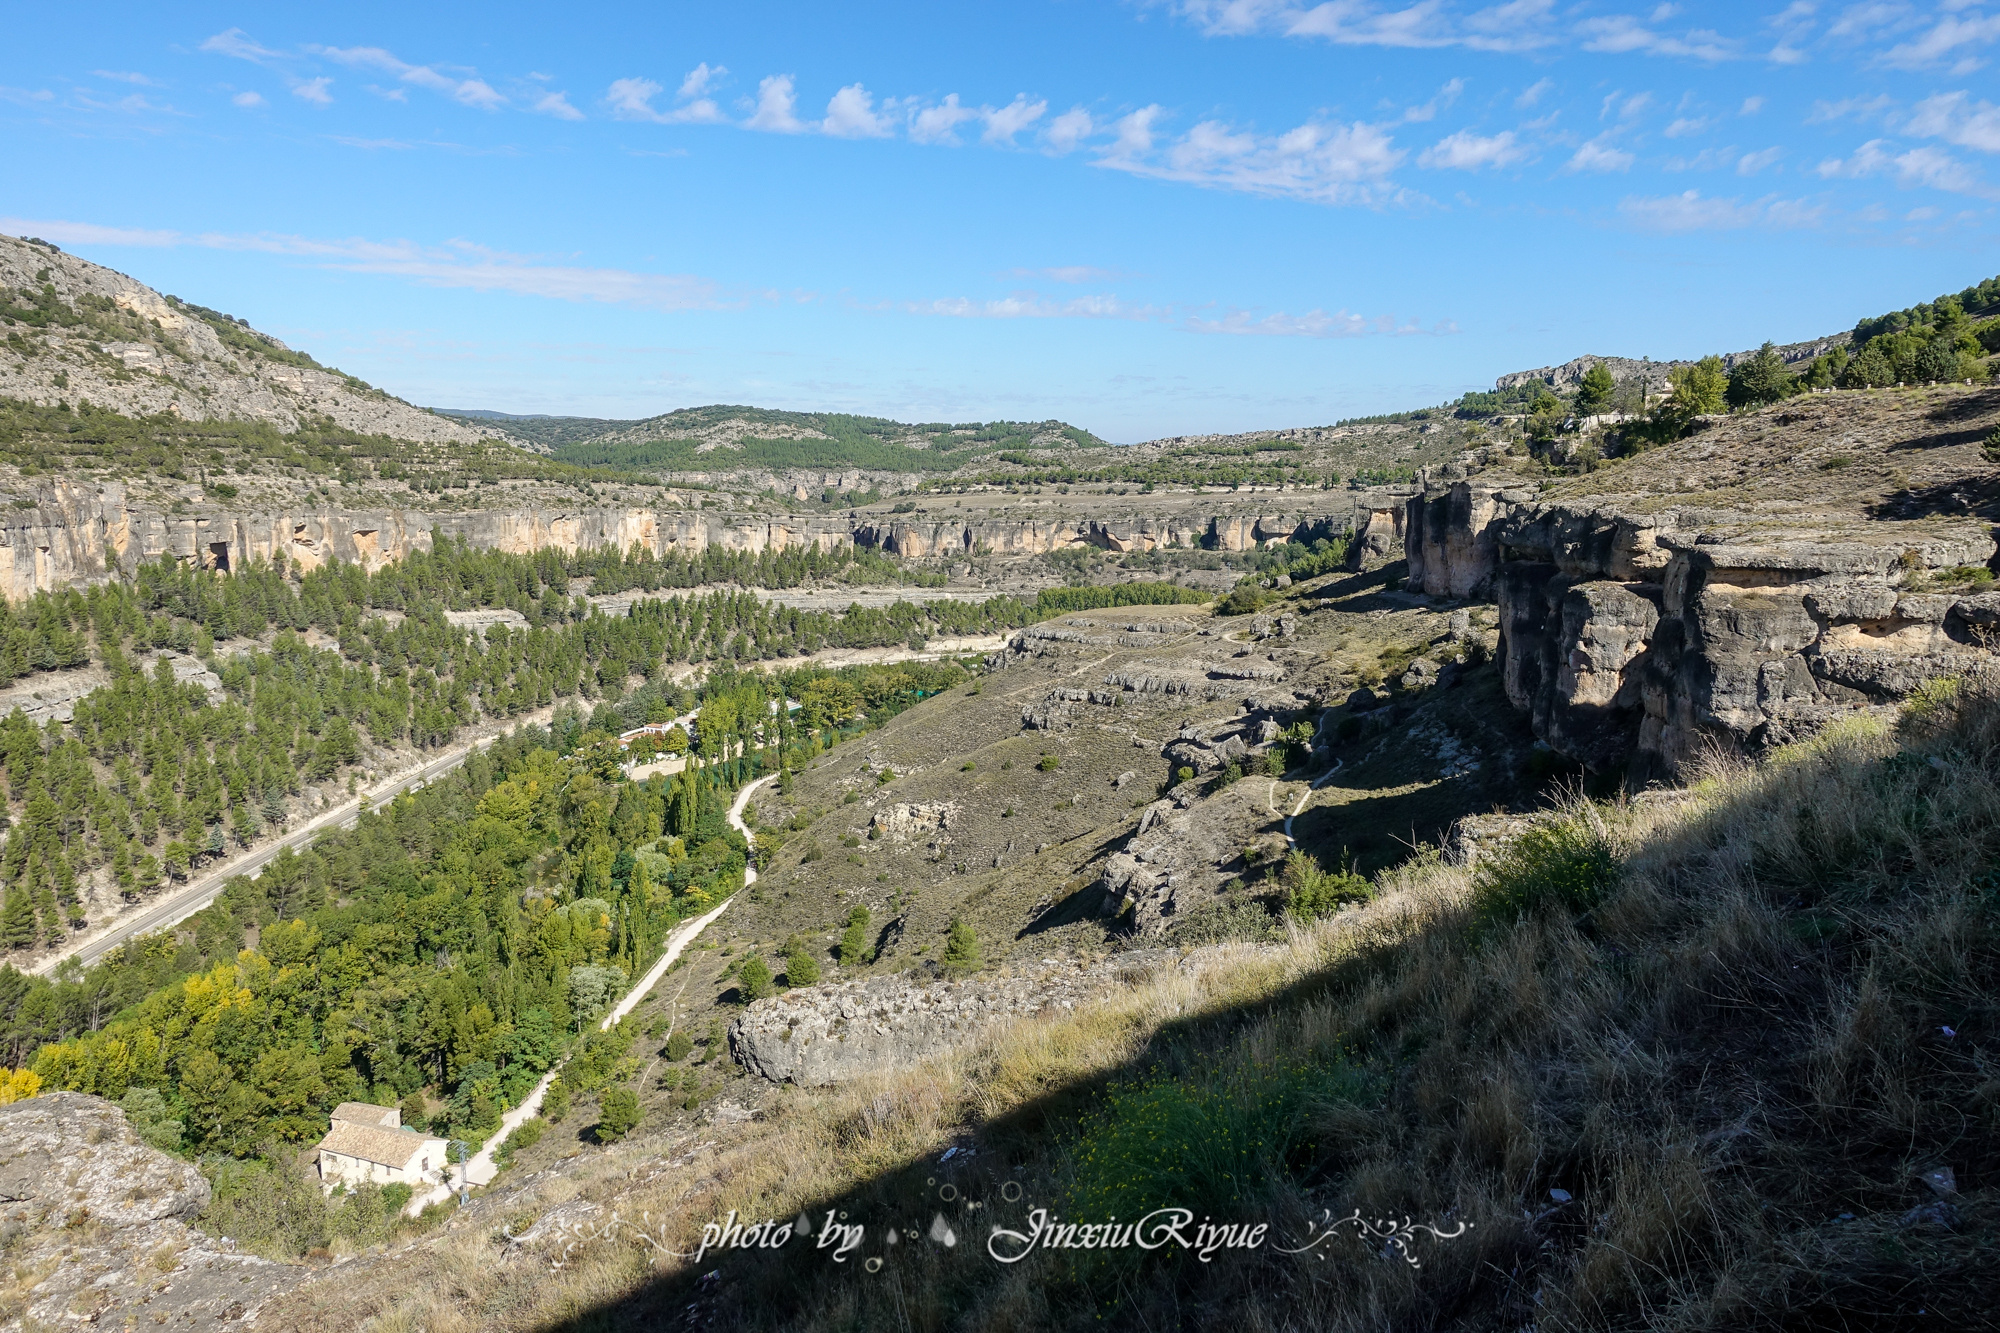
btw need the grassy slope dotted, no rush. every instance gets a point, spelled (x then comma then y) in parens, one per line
(1735, 1062)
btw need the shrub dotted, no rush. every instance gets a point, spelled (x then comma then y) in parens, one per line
(854, 940)
(678, 1045)
(1242, 601)
(396, 1197)
(1216, 1142)
(619, 1115)
(1312, 892)
(753, 978)
(1183, 774)
(1048, 763)
(961, 950)
(801, 968)
(1567, 863)
(526, 1135)
(1989, 448)
(555, 1102)
(1229, 918)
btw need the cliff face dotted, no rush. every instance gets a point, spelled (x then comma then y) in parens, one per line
(1639, 636)
(84, 532)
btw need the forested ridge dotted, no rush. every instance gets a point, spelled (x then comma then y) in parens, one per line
(153, 777)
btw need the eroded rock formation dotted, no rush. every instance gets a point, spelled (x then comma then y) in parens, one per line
(1630, 636)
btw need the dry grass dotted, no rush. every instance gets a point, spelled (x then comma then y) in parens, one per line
(1735, 1063)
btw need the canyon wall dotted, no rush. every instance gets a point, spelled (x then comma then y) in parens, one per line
(84, 532)
(1634, 639)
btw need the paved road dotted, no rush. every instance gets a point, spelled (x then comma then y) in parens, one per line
(480, 1169)
(199, 893)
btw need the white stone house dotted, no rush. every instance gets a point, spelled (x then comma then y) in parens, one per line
(368, 1144)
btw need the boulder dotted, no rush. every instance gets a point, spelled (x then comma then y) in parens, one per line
(97, 1226)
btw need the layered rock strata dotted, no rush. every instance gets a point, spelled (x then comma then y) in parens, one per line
(1635, 638)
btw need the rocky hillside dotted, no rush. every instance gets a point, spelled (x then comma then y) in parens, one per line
(1751, 584)
(72, 330)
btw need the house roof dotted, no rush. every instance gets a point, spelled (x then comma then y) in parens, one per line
(367, 1113)
(385, 1147)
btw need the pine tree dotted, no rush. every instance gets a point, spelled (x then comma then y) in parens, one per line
(854, 940)
(961, 950)
(17, 919)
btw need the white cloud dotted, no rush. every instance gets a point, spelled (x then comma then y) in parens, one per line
(1534, 92)
(1068, 130)
(1861, 108)
(25, 96)
(1693, 212)
(775, 107)
(1930, 168)
(1687, 125)
(700, 81)
(123, 76)
(1029, 305)
(1752, 163)
(1950, 34)
(1519, 25)
(632, 99)
(236, 43)
(1599, 155)
(1327, 163)
(1956, 118)
(938, 124)
(1003, 123)
(314, 90)
(557, 105)
(248, 99)
(467, 91)
(1444, 98)
(851, 114)
(1622, 34)
(1467, 151)
(460, 264)
(1135, 134)
(1751, 106)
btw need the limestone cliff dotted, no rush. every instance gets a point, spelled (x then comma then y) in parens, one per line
(1634, 629)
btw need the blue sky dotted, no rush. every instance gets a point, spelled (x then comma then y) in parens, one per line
(1145, 218)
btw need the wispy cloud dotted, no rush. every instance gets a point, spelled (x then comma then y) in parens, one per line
(1534, 93)
(248, 99)
(1954, 32)
(1521, 25)
(1320, 161)
(237, 44)
(1692, 211)
(1957, 118)
(1466, 151)
(557, 105)
(939, 124)
(1004, 123)
(314, 90)
(467, 88)
(1928, 168)
(122, 76)
(1314, 323)
(1069, 273)
(1600, 154)
(459, 264)
(1752, 163)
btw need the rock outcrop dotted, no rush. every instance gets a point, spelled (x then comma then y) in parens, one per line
(822, 1035)
(1631, 637)
(97, 1230)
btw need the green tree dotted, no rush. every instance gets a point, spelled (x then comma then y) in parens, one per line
(854, 940)
(17, 919)
(416, 1112)
(961, 950)
(1593, 395)
(1760, 380)
(1871, 369)
(753, 978)
(618, 1115)
(1697, 390)
(1939, 361)
(555, 1102)
(801, 968)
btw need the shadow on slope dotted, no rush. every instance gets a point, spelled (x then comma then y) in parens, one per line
(1719, 1062)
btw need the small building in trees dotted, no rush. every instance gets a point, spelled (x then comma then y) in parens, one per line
(368, 1144)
